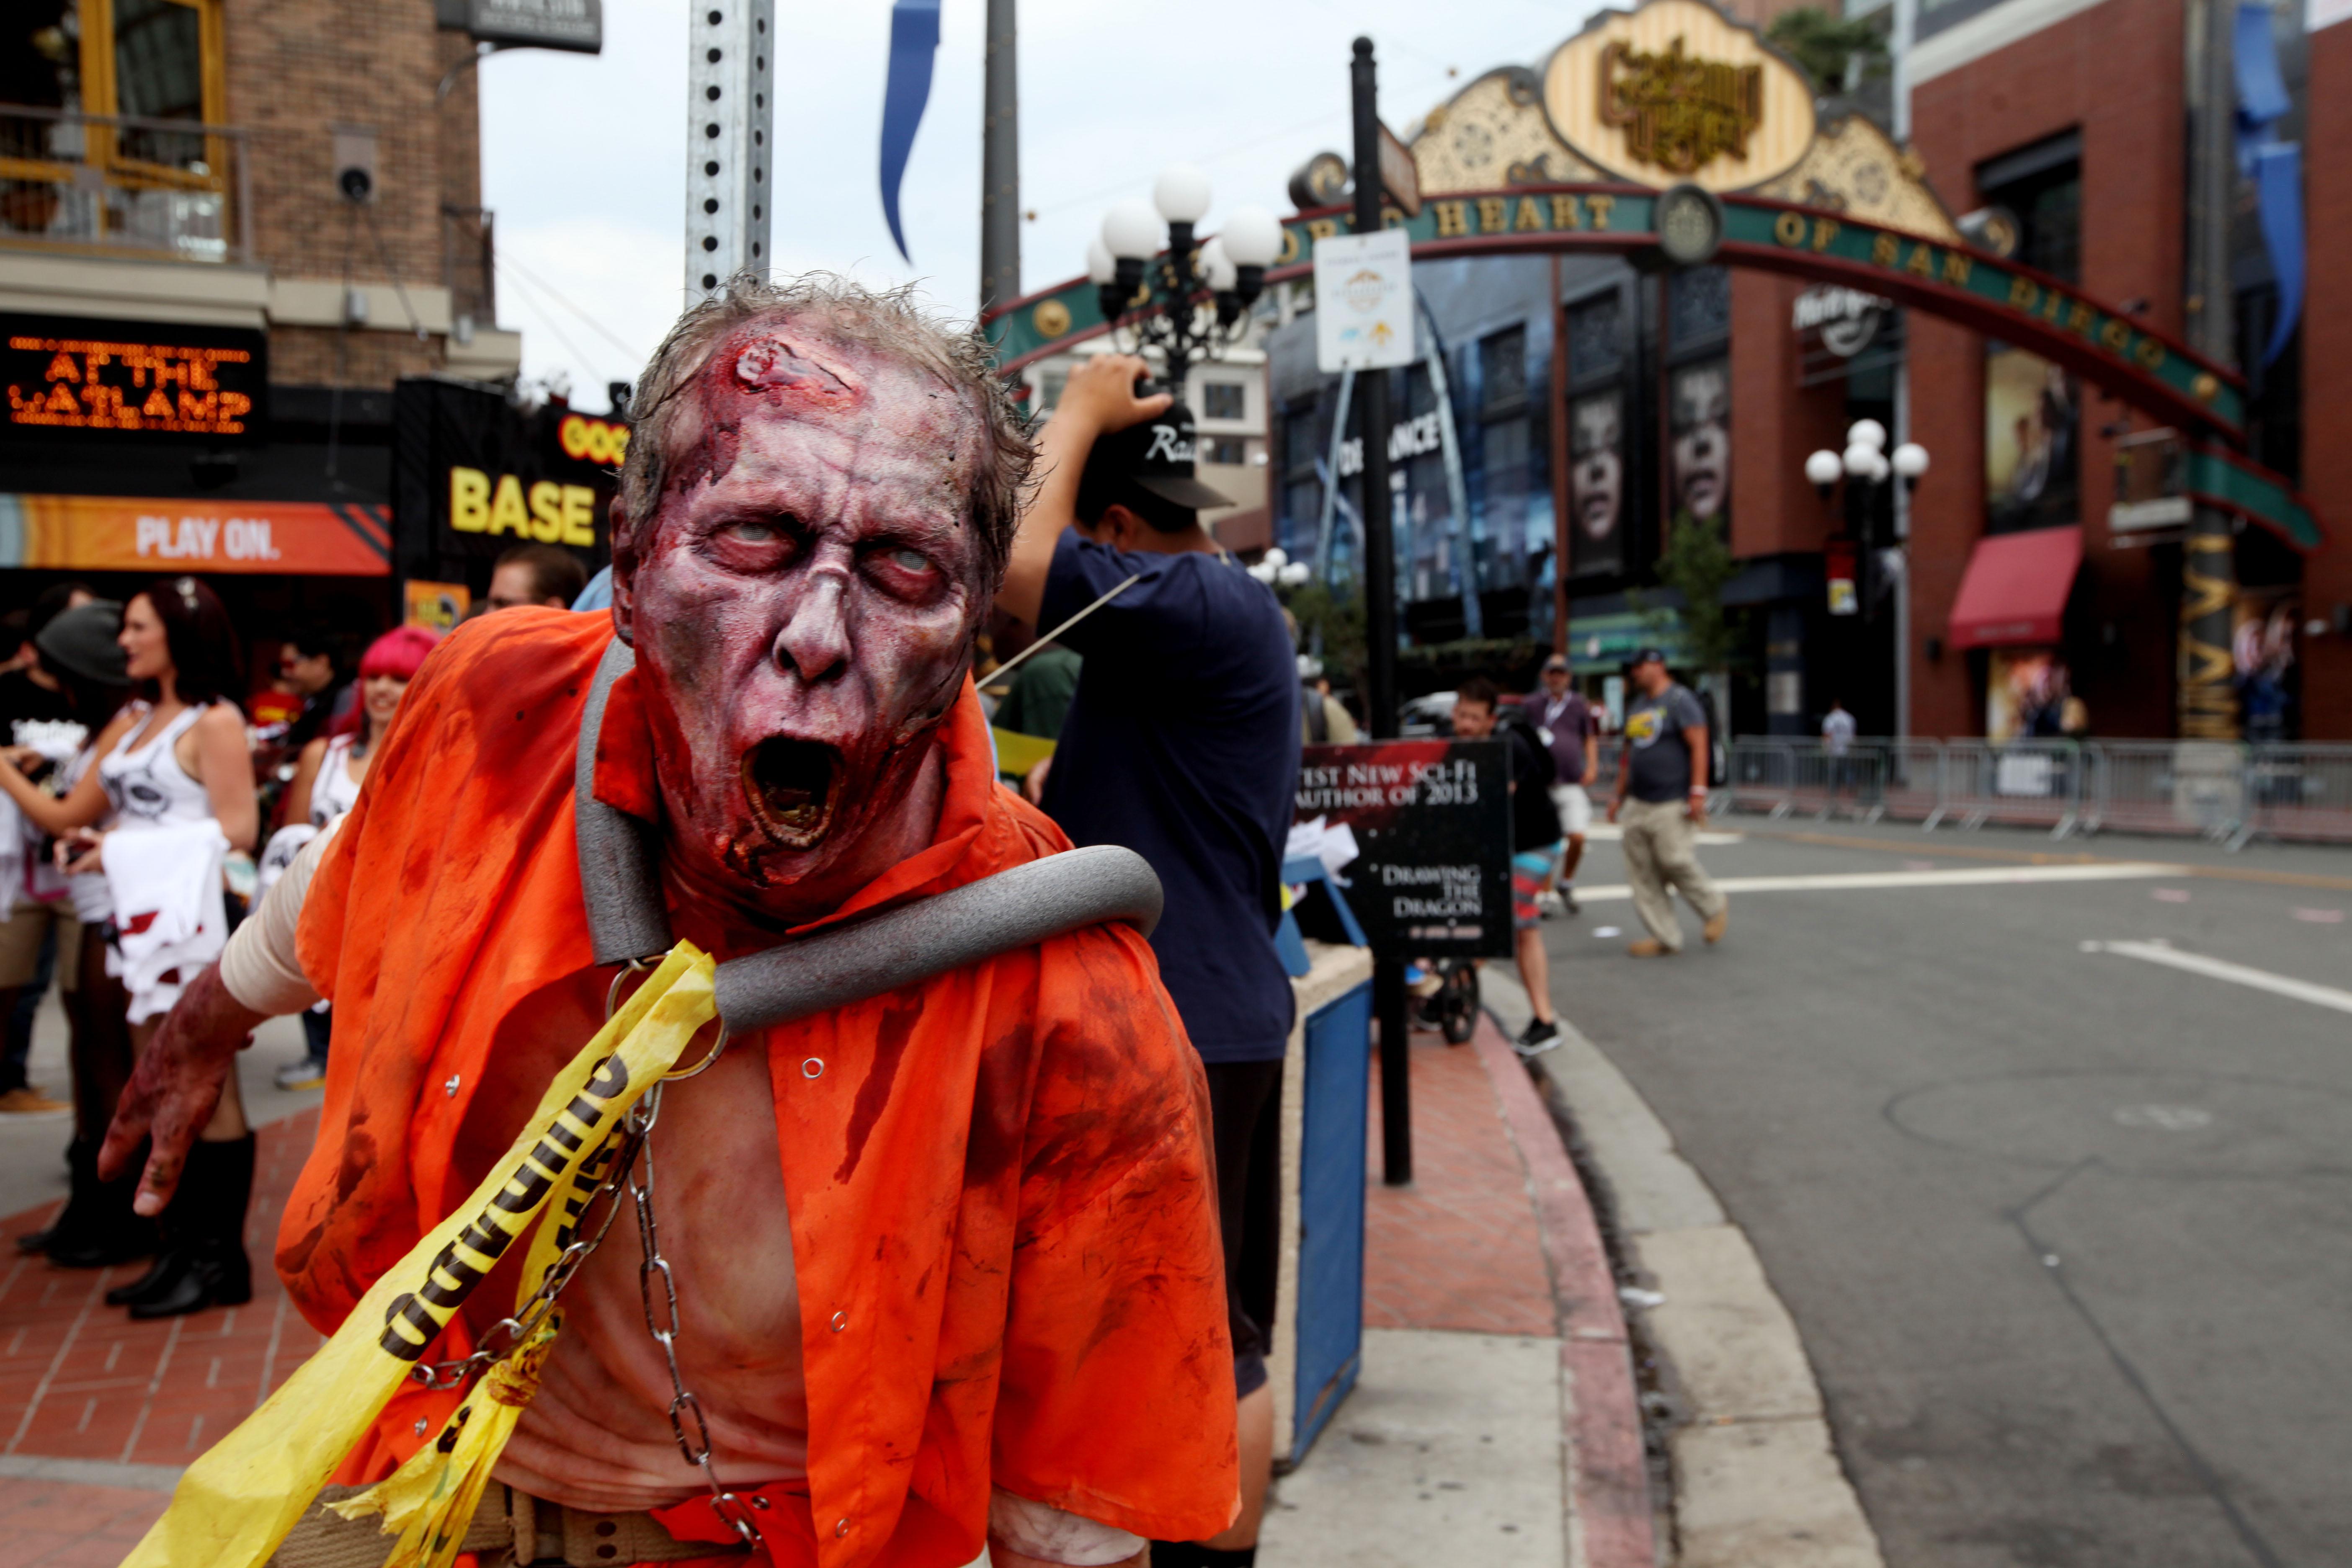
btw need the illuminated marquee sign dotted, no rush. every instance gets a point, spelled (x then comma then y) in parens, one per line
(132, 378)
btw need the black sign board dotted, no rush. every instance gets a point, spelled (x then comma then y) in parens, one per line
(574, 24)
(132, 381)
(1432, 819)
(473, 475)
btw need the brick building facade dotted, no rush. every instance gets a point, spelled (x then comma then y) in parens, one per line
(128, 229)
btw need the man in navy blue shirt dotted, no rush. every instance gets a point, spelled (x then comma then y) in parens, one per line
(1181, 744)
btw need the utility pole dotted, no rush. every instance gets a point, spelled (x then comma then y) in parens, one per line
(1380, 628)
(2208, 700)
(730, 116)
(999, 161)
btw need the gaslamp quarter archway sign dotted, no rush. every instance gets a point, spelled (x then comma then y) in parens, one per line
(1671, 115)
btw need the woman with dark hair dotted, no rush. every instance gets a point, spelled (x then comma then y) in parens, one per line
(175, 757)
(327, 785)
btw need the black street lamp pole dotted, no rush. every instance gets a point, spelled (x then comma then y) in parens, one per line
(1379, 629)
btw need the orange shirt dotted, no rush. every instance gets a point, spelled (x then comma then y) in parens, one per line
(1001, 1181)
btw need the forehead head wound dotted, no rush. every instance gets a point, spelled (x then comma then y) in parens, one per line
(794, 373)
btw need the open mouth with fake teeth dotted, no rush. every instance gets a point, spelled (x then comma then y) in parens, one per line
(793, 787)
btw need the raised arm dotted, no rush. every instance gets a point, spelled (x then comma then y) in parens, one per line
(1098, 398)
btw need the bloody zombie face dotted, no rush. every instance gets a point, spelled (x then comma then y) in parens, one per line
(803, 599)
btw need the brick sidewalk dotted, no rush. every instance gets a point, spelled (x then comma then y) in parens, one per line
(1459, 1248)
(81, 1382)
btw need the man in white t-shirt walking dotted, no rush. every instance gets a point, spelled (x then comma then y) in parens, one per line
(1572, 730)
(1837, 739)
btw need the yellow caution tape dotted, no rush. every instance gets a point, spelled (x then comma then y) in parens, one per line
(236, 1504)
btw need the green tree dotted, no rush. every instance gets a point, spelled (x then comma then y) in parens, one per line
(1696, 563)
(1332, 625)
(1827, 46)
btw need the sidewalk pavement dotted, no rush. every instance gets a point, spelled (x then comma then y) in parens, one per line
(98, 1414)
(1494, 1424)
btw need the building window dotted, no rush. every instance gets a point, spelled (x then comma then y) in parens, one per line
(1230, 450)
(1595, 347)
(140, 60)
(1698, 304)
(1049, 381)
(1503, 368)
(1224, 400)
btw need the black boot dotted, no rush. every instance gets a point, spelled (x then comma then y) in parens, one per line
(203, 1231)
(97, 1227)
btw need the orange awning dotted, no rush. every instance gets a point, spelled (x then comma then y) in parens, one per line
(2014, 590)
(131, 533)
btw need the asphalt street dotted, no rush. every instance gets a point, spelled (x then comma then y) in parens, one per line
(2066, 1228)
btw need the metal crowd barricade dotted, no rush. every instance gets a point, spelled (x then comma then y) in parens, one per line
(1760, 774)
(2218, 789)
(2296, 791)
(2031, 784)
(2165, 786)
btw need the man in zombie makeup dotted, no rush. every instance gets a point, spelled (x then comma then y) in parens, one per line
(946, 1258)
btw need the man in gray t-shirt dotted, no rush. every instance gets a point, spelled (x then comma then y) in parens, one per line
(1661, 803)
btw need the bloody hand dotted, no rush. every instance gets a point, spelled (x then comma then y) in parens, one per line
(176, 1087)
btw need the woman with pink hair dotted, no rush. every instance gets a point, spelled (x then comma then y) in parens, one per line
(327, 783)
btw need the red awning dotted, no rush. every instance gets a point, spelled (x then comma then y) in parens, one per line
(2015, 588)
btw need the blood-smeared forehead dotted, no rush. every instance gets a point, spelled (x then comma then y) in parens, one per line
(795, 369)
(787, 370)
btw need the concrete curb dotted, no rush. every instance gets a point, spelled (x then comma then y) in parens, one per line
(1608, 1517)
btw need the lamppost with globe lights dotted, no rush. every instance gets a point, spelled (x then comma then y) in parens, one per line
(1188, 303)
(1866, 466)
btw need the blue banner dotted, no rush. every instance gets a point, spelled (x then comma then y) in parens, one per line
(2274, 166)
(914, 42)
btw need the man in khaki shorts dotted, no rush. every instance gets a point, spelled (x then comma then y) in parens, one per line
(1660, 800)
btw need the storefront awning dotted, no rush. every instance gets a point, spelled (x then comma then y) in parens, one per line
(2014, 590)
(124, 534)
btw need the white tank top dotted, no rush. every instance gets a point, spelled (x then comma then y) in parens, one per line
(148, 786)
(332, 792)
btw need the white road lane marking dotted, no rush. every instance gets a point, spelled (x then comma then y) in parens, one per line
(1610, 833)
(1956, 877)
(2172, 957)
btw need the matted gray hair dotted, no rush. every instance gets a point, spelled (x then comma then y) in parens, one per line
(889, 321)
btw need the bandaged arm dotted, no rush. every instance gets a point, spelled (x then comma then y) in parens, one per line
(258, 967)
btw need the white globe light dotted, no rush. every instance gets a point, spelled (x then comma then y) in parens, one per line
(1910, 459)
(1867, 433)
(1253, 237)
(1276, 556)
(1860, 460)
(1296, 574)
(1823, 468)
(1879, 467)
(1218, 268)
(1181, 193)
(1101, 265)
(1132, 231)
(1264, 573)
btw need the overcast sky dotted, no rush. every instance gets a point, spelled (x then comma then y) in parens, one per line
(584, 157)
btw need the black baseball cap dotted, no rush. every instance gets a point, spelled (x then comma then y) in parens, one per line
(1148, 468)
(1558, 661)
(81, 642)
(1646, 656)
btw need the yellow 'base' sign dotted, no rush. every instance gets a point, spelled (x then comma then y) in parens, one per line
(558, 514)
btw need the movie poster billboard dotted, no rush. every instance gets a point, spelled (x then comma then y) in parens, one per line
(2262, 656)
(1596, 482)
(1432, 821)
(1698, 423)
(2032, 408)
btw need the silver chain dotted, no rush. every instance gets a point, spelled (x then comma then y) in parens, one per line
(629, 1146)
(664, 1325)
